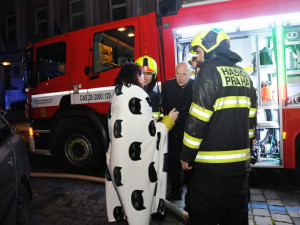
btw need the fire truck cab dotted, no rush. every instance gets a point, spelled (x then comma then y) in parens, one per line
(71, 76)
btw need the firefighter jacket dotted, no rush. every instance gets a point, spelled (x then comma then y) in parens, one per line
(155, 97)
(222, 117)
(174, 96)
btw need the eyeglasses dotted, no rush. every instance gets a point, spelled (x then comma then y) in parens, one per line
(181, 74)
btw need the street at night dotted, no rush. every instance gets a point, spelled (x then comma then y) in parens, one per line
(275, 197)
(150, 90)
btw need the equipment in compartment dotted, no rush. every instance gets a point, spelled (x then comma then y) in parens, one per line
(267, 140)
(266, 92)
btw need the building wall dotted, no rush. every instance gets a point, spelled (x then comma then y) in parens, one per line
(6, 9)
(101, 16)
(95, 12)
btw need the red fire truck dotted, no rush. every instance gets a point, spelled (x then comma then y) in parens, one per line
(71, 76)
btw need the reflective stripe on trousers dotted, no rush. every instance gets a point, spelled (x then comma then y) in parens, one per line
(223, 156)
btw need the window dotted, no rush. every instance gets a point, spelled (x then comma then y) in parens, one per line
(165, 7)
(41, 21)
(118, 9)
(112, 48)
(76, 14)
(51, 61)
(5, 131)
(10, 27)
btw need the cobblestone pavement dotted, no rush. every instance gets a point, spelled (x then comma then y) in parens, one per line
(67, 201)
(73, 202)
(271, 207)
(275, 197)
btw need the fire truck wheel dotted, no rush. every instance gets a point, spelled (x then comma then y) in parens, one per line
(81, 148)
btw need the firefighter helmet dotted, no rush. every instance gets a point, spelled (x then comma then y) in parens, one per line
(208, 40)
(148, 65)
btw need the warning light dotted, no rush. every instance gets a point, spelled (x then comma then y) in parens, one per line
(30, 132)
(283, 135)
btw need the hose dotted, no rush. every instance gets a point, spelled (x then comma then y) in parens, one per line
(271, 142)
(273, 131)
(173, 208)
(262, 142)
(178, 211)
(269, 118)
(69, 176)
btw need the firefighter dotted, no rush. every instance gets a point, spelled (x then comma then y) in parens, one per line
(149, 68)
(216, 138)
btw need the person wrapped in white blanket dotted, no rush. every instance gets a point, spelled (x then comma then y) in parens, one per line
(136, 176)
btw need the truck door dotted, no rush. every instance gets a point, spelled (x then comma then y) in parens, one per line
(51, 75)
(114, 44)
(111, 47)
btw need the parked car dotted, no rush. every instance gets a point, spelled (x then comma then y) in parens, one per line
(15, 115)
(15, 188)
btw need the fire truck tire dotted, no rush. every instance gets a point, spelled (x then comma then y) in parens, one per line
(80, 148)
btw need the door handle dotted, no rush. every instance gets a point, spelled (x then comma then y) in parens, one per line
(94, 77)
(87, 70)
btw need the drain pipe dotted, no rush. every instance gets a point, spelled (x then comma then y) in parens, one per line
(173, 208)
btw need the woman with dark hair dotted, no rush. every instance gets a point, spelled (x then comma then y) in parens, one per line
(130, 74)
(135, 179)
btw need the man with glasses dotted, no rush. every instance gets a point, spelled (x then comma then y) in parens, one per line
(177, 93)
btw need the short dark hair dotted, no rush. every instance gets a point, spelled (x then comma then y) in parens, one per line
(128, 74)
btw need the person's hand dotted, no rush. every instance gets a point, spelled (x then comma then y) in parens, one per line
(185, 165)
(174, 114)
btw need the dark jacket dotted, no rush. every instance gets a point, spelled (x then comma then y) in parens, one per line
(222, 114)
(174, 96)
(155, 99)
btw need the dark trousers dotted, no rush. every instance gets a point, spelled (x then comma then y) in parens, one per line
(213, 200)
(175, 174)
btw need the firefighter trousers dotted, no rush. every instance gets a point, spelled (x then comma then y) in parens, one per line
(213, 200)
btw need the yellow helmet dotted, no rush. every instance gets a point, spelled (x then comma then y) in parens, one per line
(208, 40)
(148, 65)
